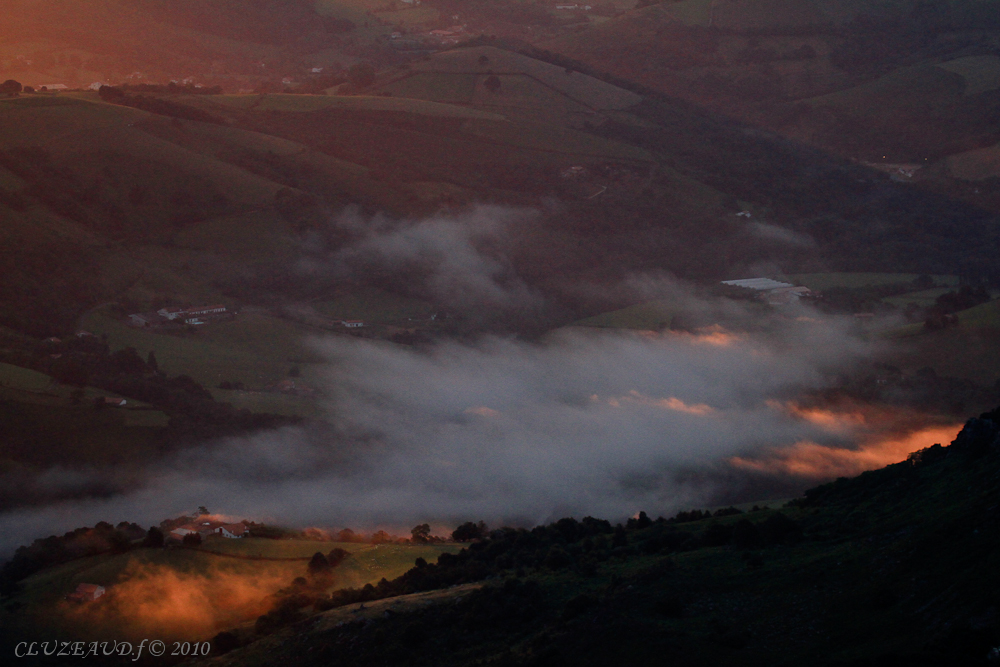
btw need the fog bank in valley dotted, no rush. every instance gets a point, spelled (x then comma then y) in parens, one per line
(586, 421)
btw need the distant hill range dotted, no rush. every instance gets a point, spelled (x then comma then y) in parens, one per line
(902, 82)
(172, 181)
(235, 43)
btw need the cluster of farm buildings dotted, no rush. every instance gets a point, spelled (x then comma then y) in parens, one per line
(208, 528)
(91, 592)
(774, 292)
(195, 315)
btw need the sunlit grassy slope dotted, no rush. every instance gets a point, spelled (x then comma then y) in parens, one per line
(192, 574)
(253, 348)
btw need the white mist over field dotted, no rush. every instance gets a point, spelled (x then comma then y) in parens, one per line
(457, 259)
(586, 422)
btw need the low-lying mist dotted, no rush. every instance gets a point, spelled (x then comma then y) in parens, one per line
(585, 421)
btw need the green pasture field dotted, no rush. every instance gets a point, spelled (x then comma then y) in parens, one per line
(24, 385)
(43, 593)
(984, 316)
(254, 349)
(76, 435)
(525, 82)
(23, 378)
(962, 352)
(690, 12)
(348, 8)
(435, 86)
(541, 137)
(356, 12)
(922, 298)
(270, 402)
(269, 102)
(885, 98)
(10, 181)
(367, 563)
(652, 315)
(822, 281)
(250, 237)
(975, 165)
(981, 73)
(372, 561)
(374, 305)
(411, 17)
(360, 103)
(524, 92)
(584, 90)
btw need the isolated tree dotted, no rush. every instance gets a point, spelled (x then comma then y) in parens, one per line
(469, 531)
(318, 564)
(111, 94)
(336, 556)
(361, 75)
(119, 542)
(202, 511)
(10, 87)
(381, 537)
(745, 535)
(639, 522)
(154, 538)
(421, 534)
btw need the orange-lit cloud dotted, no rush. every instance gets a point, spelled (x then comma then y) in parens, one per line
(160, 601)
(714, 335)
(482, 411)
(833, 421)
(808, 459)
(672, 403)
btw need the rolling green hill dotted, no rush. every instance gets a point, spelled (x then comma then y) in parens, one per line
(841, 75)
(263, 566)
(220, 42)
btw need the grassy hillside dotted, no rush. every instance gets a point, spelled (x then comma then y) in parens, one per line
(254, 349)
(653, 315)
(188, 576)
(844, 75)
(823, 281)
(169, 209)
(219, 42)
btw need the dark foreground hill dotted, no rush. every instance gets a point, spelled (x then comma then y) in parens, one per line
(895, 567)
